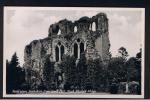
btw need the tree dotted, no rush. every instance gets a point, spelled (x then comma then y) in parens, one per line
(117, 72)
(68, 67)
(90, 73)
(48, 72)
(14, 61)
(133, 65)
(81, 71)
(9, 87)
(15, 75)
(138, 67)
(12, 74)
(132, 71)
(138, 64)
(99, 76)
(139, 54)
(96, 75)
(117, 69)
(123, 52)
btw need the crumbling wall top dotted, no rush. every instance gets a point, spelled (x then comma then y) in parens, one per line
(65, 27)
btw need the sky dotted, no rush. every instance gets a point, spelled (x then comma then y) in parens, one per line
(23, 25)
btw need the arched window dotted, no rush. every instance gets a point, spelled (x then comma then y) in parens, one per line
(75, 29)
(57, 53)
(81, 48)
(75, 50)
(62, 51)
(90, 27)
(93, 26)
(59, 32)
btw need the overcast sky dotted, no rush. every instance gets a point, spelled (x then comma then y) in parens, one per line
(25, 25)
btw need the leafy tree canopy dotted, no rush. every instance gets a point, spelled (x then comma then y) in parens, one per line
(123, 52)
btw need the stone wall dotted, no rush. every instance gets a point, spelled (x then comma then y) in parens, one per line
(92, 32)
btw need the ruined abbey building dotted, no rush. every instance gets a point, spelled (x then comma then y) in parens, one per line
(88, 35)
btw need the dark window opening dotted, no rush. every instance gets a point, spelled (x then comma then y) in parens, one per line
(57, 53)
(62, 51)
(81, 48)
(75, 50)
(78, 40)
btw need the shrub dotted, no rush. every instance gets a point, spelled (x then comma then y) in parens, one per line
(114, 88)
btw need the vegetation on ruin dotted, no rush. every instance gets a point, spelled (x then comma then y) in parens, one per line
(48, 73)
(82, 74)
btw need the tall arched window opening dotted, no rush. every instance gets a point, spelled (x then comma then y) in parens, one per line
(57, 53)
(81, 48)
(62, 51)
(93, 26)
(59, 32)
(75, 50)
(75, 29)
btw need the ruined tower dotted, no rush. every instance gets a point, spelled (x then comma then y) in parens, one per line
(89, 35)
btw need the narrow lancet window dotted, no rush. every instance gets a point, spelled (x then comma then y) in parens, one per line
(81, 48)
(57, 53)
(76, 50)
(62, 51)
(59, 32)
(93, 26)
(75, 29)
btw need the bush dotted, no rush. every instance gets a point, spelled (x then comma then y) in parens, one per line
(88, 87)
(25, 87)
(67, 86)
(114, 88)
(52, 86)
(134, 88)
(42, 87)
(122, 87)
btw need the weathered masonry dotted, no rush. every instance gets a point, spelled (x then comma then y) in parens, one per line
(89, 35)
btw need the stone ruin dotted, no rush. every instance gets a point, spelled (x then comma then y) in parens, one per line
(88, 35)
